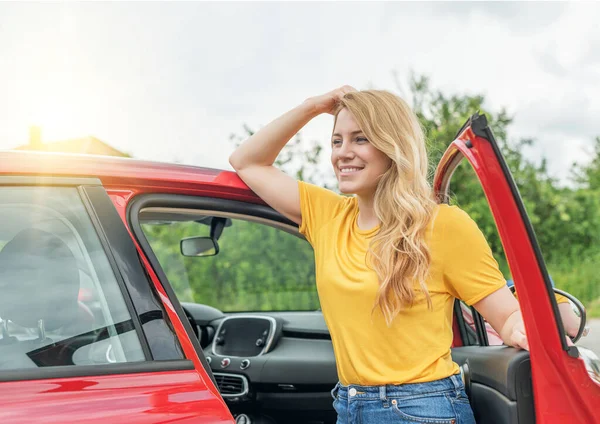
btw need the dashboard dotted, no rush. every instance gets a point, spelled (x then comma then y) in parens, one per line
(276, 360)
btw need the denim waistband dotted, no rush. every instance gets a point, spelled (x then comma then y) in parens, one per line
(452, 383)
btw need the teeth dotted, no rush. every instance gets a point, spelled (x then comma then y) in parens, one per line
(345, 170)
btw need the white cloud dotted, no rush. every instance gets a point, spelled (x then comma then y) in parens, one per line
(172, 81)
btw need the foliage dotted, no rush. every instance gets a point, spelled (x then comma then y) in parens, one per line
(577, 276)
(258, 268)
(593, 309)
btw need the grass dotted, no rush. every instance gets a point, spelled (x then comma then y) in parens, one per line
(593, 309)
(580, 277)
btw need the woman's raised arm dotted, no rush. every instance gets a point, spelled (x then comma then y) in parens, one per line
(253, 160)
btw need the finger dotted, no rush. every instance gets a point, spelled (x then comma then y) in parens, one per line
(339, 95)
(521, 340)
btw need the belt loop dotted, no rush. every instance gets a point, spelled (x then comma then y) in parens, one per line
(456, 380)
(383, 396)
(335, 390)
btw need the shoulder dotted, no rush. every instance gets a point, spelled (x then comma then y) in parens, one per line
(317, 191)
(321, 196)
(452, 221)
(319, 206)
(450, 215)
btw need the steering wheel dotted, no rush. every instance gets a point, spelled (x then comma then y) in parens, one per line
(192, 322)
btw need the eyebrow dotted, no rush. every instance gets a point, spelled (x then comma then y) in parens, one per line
(352, 133)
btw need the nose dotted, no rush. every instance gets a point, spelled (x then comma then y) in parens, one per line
(346, 151)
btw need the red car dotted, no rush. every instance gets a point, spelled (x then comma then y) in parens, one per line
(139, 292)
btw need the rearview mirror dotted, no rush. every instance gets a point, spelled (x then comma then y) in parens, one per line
(199, 246)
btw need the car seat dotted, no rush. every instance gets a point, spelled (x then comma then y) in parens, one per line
(39, 286)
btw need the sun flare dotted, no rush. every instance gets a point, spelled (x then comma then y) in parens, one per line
(58, 121)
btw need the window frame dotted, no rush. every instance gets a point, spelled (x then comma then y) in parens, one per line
(466, 332)
(134, 279)
(253, 221)
(90, 192)
(476, 143)
(181, 201)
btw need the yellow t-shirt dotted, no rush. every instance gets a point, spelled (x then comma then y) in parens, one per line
(416, 348)
(560, 298)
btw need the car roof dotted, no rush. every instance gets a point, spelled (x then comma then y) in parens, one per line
(112, 170)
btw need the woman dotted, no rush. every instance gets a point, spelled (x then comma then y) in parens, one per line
(389, 260)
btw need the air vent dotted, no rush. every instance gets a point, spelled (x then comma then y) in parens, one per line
(231, 384)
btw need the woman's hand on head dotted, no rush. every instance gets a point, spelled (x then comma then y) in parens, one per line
(328, 102)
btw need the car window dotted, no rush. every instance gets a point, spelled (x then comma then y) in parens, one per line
(473, 337)
(468, 323)
(60, 302)
(257, 268)
(467, 193)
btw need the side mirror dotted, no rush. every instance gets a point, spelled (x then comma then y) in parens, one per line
(199, 246)
(573, 318)
(580, 315)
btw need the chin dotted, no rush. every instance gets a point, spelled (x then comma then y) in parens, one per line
(346, 188)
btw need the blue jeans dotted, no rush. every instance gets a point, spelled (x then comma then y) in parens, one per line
(437, 402)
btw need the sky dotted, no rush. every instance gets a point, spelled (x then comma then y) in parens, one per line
(172, 81)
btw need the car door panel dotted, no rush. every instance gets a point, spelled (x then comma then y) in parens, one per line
(135, 398)
(500, 383)
(562, 389)
(491, 407)
(167, 383)
(126, 211)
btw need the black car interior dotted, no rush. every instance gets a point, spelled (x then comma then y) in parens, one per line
(286, 375)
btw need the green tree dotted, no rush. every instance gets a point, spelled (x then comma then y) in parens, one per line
(258, 267)
(588, 176)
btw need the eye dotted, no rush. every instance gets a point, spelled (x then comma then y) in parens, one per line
(336, 142)
(361, 140)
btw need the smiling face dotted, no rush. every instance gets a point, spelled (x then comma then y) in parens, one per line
(358, 165)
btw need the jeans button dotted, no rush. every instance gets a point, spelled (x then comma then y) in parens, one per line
(352, 392)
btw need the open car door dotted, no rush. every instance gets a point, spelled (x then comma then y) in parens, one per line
(549, 384)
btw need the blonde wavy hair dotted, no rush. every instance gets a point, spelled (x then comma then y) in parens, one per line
(404, 202)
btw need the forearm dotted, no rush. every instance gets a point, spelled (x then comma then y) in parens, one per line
(507, 333)
(263, 147)
(570, 321)
(501, 310)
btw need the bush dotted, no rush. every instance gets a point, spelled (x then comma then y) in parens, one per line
(580, 277)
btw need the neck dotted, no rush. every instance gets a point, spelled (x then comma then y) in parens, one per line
(366, 213)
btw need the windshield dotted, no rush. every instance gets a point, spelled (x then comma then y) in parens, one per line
(257, 267)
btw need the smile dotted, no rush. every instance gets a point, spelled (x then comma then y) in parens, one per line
(349, 170)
